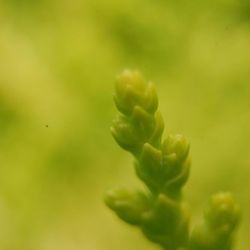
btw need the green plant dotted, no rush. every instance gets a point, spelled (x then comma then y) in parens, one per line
(164, 168)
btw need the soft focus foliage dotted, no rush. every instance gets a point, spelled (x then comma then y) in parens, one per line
(57, 64)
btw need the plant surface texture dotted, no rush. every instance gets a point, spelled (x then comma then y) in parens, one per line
(163, 165)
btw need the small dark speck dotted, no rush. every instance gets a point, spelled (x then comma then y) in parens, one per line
(46, 126)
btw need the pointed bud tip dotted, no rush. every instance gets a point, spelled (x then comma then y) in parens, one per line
(176, 144)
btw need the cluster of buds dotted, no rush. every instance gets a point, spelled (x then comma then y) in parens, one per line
(163, 166)
(139, 122)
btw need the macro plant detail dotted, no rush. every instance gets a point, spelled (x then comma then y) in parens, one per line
(163, 165)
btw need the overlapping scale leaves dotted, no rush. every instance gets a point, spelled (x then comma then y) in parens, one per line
(139, 122)
(163, 166)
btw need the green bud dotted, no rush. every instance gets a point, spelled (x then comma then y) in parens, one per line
(125, 134)
(130, 79)
(131, 91)
(128, 205)
(223, 213)
(216, 231)
(161, 175)
(132, 133)
(129, 87)
(175, 147)
(176, 163)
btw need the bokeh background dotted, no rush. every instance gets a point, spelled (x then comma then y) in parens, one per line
(58, 63)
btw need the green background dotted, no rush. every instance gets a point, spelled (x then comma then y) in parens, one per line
(58, 63)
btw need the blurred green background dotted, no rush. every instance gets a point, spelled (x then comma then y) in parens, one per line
(58, 62)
